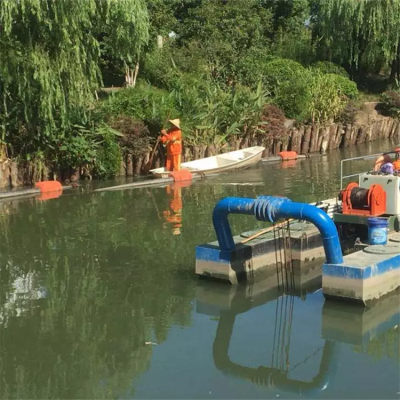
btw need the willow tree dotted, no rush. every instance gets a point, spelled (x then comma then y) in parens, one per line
(49, 61)
(361, 32)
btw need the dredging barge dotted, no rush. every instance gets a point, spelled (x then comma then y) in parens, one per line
(355, 236)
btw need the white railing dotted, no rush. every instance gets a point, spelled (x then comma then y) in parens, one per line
(363, 158)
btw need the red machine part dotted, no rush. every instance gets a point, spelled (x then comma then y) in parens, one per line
(359, 201)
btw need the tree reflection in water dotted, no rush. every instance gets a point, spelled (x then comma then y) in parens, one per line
(81, 296)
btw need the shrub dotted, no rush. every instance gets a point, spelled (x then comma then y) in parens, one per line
(165, 67)
(296, 46)
(346, 86)
(212, 113)
(159, 68)
(136, 136)
(274, 122)
(250, 68)
(348, 114)
(142, 103)
(297, 91)
(124, 102)
(77, 147)
(281, 70)
(390, 104)
(108, 159)
(288, 81)
(94, 147)
(328, 67)
(326, 101)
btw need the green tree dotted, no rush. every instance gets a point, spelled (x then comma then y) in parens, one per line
(289, 16)
(50, 55)
(162, 17)
(359, 33)
(224, 31)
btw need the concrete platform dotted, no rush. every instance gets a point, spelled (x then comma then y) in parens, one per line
(364, 276)
(259, 258)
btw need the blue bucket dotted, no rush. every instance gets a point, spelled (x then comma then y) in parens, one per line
(377, 230)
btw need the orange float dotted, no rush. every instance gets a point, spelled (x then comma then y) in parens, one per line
(48, 186)
(288, 155)
(49, 190)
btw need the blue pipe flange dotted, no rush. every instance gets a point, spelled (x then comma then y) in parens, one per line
(266, 207)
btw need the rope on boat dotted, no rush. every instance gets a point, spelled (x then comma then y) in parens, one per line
(283, 256)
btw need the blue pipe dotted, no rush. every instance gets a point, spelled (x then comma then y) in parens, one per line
(269, 208)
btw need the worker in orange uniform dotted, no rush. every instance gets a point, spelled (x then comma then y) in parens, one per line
(382, 160)
(386, 159)
(396, 162)
(173, 139)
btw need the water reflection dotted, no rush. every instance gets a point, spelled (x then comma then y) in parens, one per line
(45, 196)
(18, 299)
(86, 280)
(366, 329)
(75, 343)
(76, 310)
(235, 301)
(373, 330)
(269, 377)
(173, 214)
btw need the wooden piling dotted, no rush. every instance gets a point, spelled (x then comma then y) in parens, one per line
(305, 146)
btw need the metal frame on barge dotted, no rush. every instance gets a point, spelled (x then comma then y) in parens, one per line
(390, 184)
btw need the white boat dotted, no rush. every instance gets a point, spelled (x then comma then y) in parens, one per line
(233, 160)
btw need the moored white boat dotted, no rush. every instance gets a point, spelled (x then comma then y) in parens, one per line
(233, 160)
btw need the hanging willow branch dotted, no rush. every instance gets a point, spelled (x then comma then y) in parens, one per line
(50, 53)
(360, 30)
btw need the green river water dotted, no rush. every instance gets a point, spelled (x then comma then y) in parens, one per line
(99, 300)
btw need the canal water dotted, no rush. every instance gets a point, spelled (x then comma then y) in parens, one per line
(99, 300)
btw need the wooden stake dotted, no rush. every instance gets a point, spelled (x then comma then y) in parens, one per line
(149, 164)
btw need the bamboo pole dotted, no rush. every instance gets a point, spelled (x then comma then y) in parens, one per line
(269, 229)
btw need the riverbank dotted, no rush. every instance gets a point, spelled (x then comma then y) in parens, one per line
(367, 127)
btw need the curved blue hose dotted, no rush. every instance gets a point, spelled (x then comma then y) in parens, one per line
(269, 208)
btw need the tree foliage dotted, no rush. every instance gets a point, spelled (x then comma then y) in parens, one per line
(329, 67)
(56, 54)
(224, 30)
(359, 33)
(50, 53)
(289, 16)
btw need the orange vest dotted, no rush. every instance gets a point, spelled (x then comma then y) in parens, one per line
(396, 165)
(173, 138)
